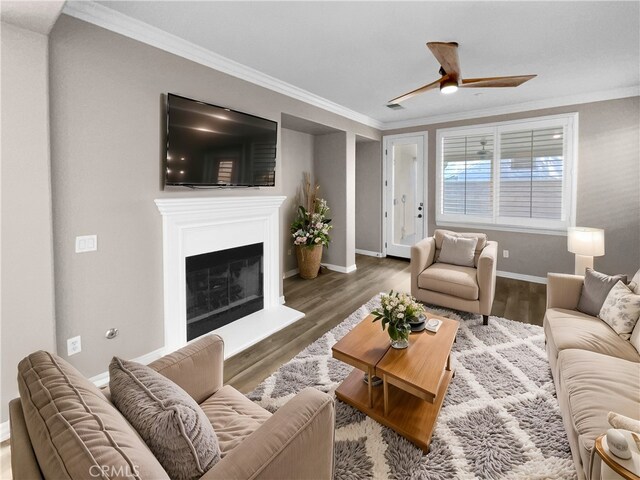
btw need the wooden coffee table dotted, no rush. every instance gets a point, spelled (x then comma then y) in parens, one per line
(415, 379)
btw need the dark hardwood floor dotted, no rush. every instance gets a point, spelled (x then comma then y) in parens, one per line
(332, 297)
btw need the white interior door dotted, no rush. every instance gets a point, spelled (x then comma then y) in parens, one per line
(404, 187)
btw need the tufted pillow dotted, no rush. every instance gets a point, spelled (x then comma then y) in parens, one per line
(621, 310)
(170, 422)
(595, 290)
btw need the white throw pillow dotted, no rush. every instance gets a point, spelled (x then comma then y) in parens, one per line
(458, 251)
(621, 310)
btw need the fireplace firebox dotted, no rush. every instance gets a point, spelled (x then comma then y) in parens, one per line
(222, 287)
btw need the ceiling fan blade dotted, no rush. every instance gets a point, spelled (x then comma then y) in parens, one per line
(418, 91)
(493, 82)
(447, 55)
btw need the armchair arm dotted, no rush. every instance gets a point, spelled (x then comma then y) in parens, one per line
(196, 367)
(486, 275)
(422, 255)
(563, 290)
(295, 443)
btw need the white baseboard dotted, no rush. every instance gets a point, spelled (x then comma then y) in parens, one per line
(522, 276)
(340, 269)
(290, 273)
(4, 431)
(102, 379)
(369, 253)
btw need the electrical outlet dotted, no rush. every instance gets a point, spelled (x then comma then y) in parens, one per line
(86, 243)
(74, 345)
(505, 253)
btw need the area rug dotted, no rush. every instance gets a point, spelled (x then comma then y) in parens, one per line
(500, 418)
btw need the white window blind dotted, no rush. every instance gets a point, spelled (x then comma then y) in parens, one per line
(531, 173)
(508, 175)
(467, 179)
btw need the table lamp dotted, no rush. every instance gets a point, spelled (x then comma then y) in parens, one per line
(586, 243)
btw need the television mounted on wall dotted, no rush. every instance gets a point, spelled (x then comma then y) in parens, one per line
(210, 146)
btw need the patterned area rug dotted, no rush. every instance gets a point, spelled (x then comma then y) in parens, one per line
(500, 419)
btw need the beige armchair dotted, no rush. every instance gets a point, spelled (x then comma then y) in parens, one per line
(470, 289)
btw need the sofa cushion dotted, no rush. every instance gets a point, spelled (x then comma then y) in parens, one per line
(458, 251)
(621, 310)
(453, 280)
(166, 417)
(595, 289)
(567, 329)
(233, 417)
(75, 432)
(588, 390)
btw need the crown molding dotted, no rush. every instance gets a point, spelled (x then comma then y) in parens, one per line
(519, 107)
(117, 22)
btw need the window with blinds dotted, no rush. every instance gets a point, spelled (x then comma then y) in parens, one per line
(512, 175)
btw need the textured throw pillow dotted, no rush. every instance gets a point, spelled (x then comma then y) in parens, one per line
(621, 310)
(595, 290)
(170, 422)
(458, 251)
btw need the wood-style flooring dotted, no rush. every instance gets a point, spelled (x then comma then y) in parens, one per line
(332, 297)
(327, 301)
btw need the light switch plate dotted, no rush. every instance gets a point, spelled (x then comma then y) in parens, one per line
(505, 253)
(86, 243)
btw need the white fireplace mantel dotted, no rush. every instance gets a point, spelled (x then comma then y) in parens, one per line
(192, 226)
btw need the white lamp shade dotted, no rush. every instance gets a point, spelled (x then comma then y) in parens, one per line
(586, 241)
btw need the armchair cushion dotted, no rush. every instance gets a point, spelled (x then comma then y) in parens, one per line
(439, 235)
(166, 417)
(453, 280)
(458, 251)
(233, 416)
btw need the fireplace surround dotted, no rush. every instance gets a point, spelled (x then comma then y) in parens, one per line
(197, 226)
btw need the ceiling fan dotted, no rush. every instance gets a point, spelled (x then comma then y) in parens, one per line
(447, 55)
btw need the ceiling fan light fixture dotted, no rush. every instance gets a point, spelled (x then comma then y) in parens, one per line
(449, 86)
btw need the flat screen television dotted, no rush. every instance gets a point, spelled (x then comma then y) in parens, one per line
(210, 146)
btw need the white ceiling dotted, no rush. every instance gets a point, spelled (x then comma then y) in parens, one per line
(361, 54)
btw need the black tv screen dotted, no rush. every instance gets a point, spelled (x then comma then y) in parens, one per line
(211, 146)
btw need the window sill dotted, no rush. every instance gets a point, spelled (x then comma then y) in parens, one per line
(504, 228)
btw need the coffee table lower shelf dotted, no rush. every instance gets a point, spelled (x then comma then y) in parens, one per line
(410, 416)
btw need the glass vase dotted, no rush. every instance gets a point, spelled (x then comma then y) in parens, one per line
(402, 339)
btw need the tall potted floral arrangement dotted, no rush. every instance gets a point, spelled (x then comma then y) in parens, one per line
(396, 312)
(310, 230)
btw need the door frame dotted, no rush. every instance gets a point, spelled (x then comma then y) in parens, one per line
(386, 140)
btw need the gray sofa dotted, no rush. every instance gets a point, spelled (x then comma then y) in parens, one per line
(594, 370)
(63, 427)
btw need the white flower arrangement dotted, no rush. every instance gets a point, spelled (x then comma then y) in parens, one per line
(396, 311)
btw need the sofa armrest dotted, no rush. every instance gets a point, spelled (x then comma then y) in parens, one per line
(197, 367)
(24, 464)
(295, 443)
(422, 255)
(563, 290)
(486, 276)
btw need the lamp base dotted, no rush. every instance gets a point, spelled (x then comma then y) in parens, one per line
(582, 262)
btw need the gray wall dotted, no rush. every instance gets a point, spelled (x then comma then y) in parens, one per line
(334, 168)
(369, 196)
(106, 139)
(297, 154)
(27, 297)
(608, 190)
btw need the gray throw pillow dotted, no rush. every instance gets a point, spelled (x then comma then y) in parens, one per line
(169, 421)
(595, 289)
(458, 251)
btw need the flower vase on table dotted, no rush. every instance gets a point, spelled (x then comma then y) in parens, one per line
(396, 312)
